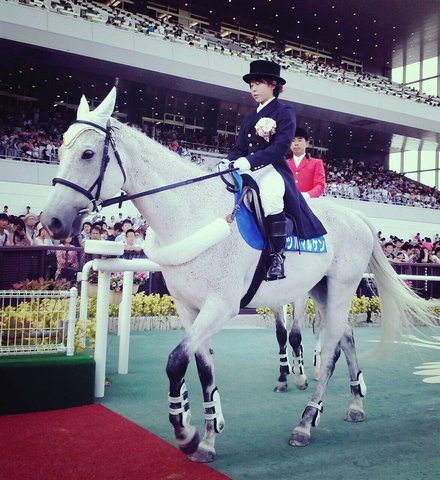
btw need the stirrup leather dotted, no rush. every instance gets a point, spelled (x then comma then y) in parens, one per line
(180, 406)
(216, 413)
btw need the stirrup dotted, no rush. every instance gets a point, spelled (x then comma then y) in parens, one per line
(277, 263)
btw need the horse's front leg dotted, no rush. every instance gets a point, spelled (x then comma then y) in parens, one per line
(281, 332)
(214, 420)
(187, 437)
(357, 385)
(209, 321)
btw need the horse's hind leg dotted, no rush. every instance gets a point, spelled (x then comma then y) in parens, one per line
(317, 329)
(334, 303)
(281, 332)
(295, 340)
(357, 385)
(214, 421)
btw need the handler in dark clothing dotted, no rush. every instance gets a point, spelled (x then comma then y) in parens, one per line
(260, 151)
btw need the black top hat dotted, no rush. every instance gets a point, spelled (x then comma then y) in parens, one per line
(300, 132)
(265, 69)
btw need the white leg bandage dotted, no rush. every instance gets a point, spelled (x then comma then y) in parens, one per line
(216, 413)
(319, 409)
(180, 405)
(362, 385)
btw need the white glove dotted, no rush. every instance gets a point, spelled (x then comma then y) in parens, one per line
(223, 164)
(242, 164)
(306, 195)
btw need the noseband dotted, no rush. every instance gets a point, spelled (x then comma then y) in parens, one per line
(109, 140)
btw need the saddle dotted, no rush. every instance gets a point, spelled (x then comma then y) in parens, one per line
(251, 223)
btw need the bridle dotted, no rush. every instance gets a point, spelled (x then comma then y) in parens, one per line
(109, 140)
(94, 198)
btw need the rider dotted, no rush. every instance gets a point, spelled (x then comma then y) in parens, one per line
(260, 150)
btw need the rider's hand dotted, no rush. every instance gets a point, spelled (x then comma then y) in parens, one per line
(242, 164)
(223, 164)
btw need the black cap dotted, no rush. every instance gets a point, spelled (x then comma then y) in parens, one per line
(266, 69)
(300, 132)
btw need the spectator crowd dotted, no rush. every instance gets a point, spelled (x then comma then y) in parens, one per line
(250, 48)
(356, 181)
(25, 230)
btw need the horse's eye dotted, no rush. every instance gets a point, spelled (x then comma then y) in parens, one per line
(88, 154)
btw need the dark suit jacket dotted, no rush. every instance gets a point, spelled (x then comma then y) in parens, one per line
(261, 153)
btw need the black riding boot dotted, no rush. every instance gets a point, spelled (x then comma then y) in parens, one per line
(277, 233)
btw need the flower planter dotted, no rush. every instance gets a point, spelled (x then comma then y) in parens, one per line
(115, 297)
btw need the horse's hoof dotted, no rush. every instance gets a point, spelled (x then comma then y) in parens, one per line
(354, 416)
(203, 454)
(281, 388)
(302, 383)
(190, 447)
(299, 438)
(316, 377)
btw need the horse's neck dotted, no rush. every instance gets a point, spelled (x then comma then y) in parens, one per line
(174, 213)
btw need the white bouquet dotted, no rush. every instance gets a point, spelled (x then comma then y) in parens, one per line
(265, 127)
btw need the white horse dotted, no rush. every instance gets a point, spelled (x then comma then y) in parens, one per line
(208, 267)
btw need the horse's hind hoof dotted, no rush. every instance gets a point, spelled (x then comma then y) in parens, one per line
(281, 388)
(190, 447)
(299, 438)
(203, 454)
(354, 416)
(301, 383)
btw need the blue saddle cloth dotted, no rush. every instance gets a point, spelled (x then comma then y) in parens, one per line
(250, 232)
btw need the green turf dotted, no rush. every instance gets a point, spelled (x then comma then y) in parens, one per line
(400, 438)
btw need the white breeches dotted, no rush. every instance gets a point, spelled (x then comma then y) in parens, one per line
(272, 188)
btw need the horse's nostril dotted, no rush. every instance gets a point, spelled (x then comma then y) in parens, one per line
(55, 224)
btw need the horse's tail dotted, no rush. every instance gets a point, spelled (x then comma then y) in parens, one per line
(400, 306)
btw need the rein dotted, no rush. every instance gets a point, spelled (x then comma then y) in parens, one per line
(94, 199)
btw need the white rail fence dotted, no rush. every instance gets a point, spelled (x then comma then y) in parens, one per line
(37, 321)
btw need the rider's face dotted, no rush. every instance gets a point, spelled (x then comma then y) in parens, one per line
(261, 90)
(298, 146)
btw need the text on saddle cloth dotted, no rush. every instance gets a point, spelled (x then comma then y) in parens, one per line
(250, 232)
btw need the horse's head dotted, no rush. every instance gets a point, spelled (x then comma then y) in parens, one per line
(89, 169)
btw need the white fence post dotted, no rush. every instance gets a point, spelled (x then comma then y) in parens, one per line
(124, 322)
(101, 331)
(71, 322)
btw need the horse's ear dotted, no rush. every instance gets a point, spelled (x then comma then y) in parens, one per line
(107, 106)
(83, 108)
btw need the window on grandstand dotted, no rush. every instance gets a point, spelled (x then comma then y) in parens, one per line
(412, 72)
(397, 75)
(430, 86)
(394, 161)
(410, 164)
(430, 67)
(428, 162)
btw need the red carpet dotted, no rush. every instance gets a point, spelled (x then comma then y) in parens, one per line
(89, 442)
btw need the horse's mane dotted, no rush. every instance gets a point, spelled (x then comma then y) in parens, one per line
(162, 150)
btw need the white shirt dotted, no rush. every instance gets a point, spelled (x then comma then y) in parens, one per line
(262, 105)
(297, 160)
